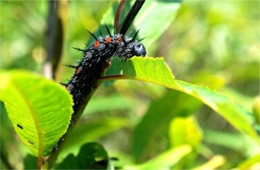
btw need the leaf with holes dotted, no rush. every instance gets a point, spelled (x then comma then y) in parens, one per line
(40, 110)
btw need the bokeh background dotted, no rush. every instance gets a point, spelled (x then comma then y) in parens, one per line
(211, 43)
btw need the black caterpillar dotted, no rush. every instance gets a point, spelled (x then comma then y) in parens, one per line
(96, 59)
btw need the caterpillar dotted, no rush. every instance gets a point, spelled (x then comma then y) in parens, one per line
(96, 58)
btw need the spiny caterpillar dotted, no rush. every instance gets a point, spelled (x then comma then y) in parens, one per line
(96, 59)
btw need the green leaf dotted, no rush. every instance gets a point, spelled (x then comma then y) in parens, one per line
(251, 163)
(39, 109)
(91, 156)
(232, 141)
(155, 122)
(214, 163)
(184, 130)
(256, 110)
(154, 18)
(30, 162)
(108, 103)
(165, 160)
(155, 70)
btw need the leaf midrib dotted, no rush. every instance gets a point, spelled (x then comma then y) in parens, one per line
(36, 123)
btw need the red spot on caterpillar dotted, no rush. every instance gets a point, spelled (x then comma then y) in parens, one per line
(119, 39)
(108, 39)
(78, 70)
(97, 43)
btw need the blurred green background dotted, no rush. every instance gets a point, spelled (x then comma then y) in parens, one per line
(211, 43)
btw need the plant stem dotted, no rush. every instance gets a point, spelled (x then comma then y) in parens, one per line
(54, 36)
(117, 17)
(5, 161)
(131, 15)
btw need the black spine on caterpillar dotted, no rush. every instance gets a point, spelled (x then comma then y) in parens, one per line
(95, 60)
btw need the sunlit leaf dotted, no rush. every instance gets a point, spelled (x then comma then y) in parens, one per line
(215, 162)
(40, 110)
(251, 163)
(165, 160)
(155, 70)
(184, 130)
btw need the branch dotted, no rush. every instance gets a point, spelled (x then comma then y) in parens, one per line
(131, 15)
(117, 17)
(5, 160)
(55, 36)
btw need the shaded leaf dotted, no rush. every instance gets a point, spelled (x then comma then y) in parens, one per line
(155, 122)
(237, 142)
(108, 103)
(40, 110)
(30, 162)
(91, 156)
(90, 131)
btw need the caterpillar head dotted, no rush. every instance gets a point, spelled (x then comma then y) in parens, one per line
(129, 48)
(138, 49)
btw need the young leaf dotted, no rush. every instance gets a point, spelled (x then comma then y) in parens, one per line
(155, 70)
(40, 110)
(184, 130)
(165, 160)
(214, 163)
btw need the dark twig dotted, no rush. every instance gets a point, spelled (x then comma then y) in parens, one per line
(117, 17)
(131, 15)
